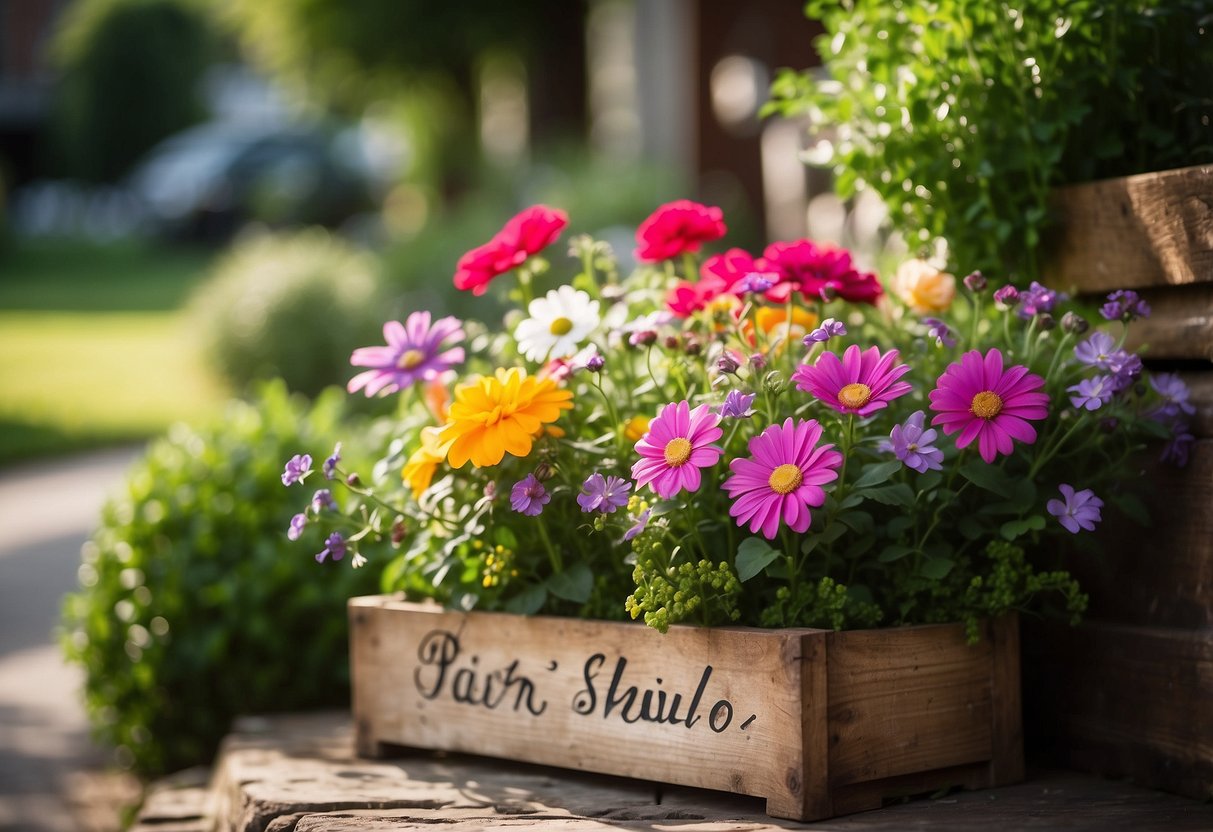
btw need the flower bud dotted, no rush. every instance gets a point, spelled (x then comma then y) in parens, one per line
(544, 472)
(595, 363)
(490, 489)
(672, 342)
(643, 338)
(773, 383)
(1007, 296)
(400, 531)
(975, 281)
(692, 346)
(1045, 322)
(1074, 323)
(727, 363)
(353, 480)
(758, 361)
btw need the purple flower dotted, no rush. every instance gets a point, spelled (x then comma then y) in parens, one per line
(1080, 510)
(416, 351)
(1126, 369)
(1092, 393)
(911, 444)
(1006, 297)
(298, 522)
(1099, 351)
(829, 328)
(737, 405)
(330, 464)
(334, 548)
(1124, 305)
(758, 361)
(758, 282)
(605, 494)
(1037, 299)
(641, 523)
(595, 363)
(938, 330)
(1176, 451)
(1175, 395)
(642, 338)
(297, 468)
(322, 499)
(975, 282)
(528, 496)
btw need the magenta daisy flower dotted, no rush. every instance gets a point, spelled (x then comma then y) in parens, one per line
(859, 382)
(678, 443)
(984, 402)
(415, 351)
(782, 478)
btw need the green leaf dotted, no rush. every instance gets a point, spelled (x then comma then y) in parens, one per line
(894, 551)
(528, 602)
(754, 555)
(898, 525)
(989, 477)
(936, 568)
(859, 521)
(504, 536)
(1134, 508)
(970, 528)
(893, 495)
(1015, 528)
(878, 473)
(573, 584)
(853, 499)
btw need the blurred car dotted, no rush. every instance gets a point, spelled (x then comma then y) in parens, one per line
(206, 182)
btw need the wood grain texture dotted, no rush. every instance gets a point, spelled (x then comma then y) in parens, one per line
(1180, 325)
(788, 715)
(1160, 575)
(1124, 701)
(1201, 385)
(1154, 229)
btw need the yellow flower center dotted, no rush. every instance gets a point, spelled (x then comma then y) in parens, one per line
(786, 478)
(986, 405)
(410, 359)
(561, 326)
(854, 395)
(677, 452)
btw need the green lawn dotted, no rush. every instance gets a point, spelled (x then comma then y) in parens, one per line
(96, 350)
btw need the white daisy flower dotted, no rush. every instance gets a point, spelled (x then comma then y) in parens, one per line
(559, 322)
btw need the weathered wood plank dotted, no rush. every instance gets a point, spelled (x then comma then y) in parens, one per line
(1201, 385)
(1159, 575)
(1180, 326)
(788, 715)
(1154, 229)
(1124, 701)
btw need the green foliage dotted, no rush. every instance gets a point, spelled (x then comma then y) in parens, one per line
(962, 114)
(193, 607)
(131, 72)
(701, 592)
(290, 306)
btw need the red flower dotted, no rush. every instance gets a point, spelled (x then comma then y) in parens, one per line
(677, 228)
(685, 298)
(527, 233)
(728, 269)
(807, 267)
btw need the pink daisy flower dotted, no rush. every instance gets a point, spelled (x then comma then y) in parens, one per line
(417, 350)
(783, 478)
(676, 446)
(984, 402)
(859, 382)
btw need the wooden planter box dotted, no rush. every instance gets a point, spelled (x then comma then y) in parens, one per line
(816, 722)
(1127, 694)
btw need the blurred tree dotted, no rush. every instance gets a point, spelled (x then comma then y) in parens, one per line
(131, 72)
(418, 53)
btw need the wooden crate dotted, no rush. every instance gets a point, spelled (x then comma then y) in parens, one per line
(816, 722)
(1128, 693)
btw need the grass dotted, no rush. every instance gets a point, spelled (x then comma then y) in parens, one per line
(96, 348)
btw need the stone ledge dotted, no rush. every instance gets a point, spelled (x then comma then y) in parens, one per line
(299, 774)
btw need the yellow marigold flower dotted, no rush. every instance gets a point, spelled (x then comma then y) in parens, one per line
(636, 427)
(418, 472)
(775, 318)
(922, 287)
(500, 414)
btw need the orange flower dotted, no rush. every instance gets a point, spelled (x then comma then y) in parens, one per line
(922, 287)
(418, 472)
(500, 414)
(636, 427)
(437, 399)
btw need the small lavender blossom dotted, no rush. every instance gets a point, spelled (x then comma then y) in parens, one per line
(829, 328)
(1126, 369)
(1006, 297)
(758, 361)
(737, 405)
(1080, 510)
(297, 468)
(1176, 451)
(605, 494)
(595, 363)
(641, 523)
(334, 548)
(1124, 305)
(1099, 351)
(1036, 300)
(330, 464)
(1175, 395)
(1092, 393)
(911, 444)
(975, 282)
(938, 330)
(528, 496)
(757, 282)
(298, 522)
(322, 499)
